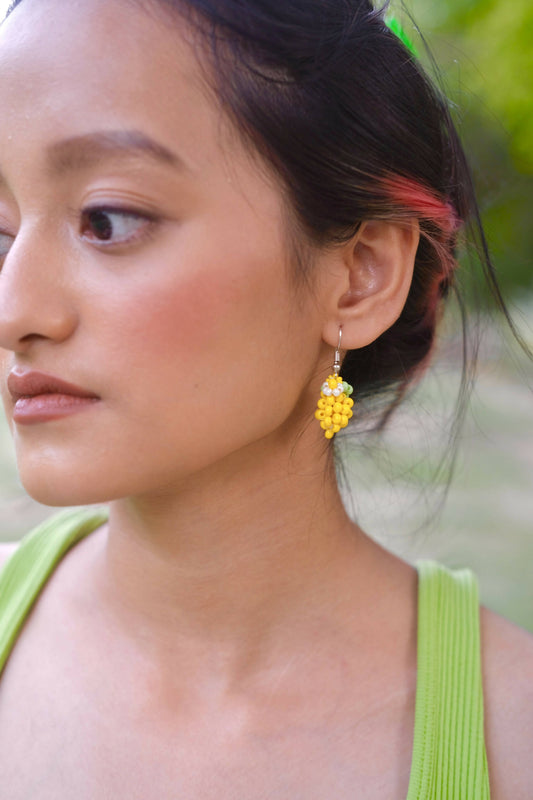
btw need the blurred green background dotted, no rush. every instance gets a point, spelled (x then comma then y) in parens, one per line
(484, 54)
(394, 485)
(485, 66)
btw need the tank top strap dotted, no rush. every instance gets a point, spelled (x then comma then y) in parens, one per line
(25, 573)
(449, 757)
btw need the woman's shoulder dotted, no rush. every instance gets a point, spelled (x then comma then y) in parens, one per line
(6, 551)
(507, 658)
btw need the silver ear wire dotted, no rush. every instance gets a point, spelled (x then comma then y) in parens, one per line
(337, 362)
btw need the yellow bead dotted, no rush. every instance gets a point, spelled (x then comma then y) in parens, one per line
(319, 414)
(329, 434)
(336, 419)
(321, 403)
(344, 420)
(350, 402)
(349, 414)
(337, 408)
(332, 383)
(330, 401)
(324, 426)
(336, 428)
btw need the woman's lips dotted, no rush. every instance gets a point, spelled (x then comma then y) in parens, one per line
(40, 397)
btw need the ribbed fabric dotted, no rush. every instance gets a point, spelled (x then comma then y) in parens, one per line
(449, 760)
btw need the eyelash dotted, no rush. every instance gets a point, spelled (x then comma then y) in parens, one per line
(102, 216)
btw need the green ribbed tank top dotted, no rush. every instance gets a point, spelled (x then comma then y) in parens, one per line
(449, 760)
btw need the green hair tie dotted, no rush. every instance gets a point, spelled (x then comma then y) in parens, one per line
(395, 27)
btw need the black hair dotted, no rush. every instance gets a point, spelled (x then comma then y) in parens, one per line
(343, 112)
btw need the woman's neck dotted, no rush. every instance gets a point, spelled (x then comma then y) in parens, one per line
(238, 560)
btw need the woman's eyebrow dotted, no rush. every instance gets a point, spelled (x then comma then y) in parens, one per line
(81, 152)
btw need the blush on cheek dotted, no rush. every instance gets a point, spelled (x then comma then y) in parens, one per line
(188, 322)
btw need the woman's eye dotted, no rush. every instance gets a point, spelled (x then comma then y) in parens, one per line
(113, 226)
(5, 244)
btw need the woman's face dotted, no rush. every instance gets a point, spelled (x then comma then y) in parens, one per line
(144, 259)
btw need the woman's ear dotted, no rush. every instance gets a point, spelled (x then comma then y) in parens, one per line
(368, 281)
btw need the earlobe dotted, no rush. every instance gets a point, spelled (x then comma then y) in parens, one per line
(370, 284)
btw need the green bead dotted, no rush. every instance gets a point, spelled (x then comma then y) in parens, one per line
(348, 390)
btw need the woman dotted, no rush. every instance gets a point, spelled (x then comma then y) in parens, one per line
(201, 202)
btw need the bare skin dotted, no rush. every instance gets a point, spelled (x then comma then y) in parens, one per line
(310, 702)
(178, 722)
(230, 632)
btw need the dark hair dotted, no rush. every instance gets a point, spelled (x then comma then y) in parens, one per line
(344, 113)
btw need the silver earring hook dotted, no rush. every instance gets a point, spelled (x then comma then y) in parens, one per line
(337, 362)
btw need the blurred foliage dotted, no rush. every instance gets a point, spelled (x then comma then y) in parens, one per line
(485, 58)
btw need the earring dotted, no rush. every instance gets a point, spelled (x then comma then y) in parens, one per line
(334, 408)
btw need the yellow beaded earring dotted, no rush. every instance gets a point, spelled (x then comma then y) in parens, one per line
(334, 408)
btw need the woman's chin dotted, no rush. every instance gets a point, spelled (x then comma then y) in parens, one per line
(52, 487)
(51, 495)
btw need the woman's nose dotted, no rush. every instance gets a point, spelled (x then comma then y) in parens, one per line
(35, 301)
